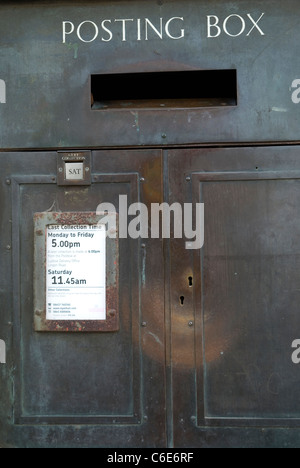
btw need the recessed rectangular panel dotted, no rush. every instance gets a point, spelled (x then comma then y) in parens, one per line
(65, 377)
(250, 265)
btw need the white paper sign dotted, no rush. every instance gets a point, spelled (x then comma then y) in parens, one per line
(76, 272)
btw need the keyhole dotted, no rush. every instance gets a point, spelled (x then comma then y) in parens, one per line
(190, 278)
(181, 300)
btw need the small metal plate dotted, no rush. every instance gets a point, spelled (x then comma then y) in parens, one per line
(74, 168)
(74, 171)
(64, 301)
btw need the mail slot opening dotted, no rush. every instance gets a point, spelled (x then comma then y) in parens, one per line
(184, 89)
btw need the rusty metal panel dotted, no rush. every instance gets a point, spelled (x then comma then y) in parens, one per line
(111, 323)
(81, 389)
(204, 363)
(66, 43)
(234, 381)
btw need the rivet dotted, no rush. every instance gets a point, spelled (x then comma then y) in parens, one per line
(191, 323)
(142, 179)
(8, 181)
(164, 136)
(144, 324)
(8, 247)
(188, 179)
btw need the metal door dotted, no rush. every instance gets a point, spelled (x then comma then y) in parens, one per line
(235, 303)
(203, 357)
(81, 389)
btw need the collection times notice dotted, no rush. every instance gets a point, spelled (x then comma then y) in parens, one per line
(76, 272)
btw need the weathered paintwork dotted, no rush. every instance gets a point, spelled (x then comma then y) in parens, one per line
(81, 389)
(202, 354)
(48, 89)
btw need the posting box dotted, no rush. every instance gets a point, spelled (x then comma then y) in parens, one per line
(179, 102)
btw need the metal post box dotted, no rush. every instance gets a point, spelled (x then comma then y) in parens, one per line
(107, 110)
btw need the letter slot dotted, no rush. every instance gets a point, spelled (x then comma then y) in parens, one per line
(163, 90)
